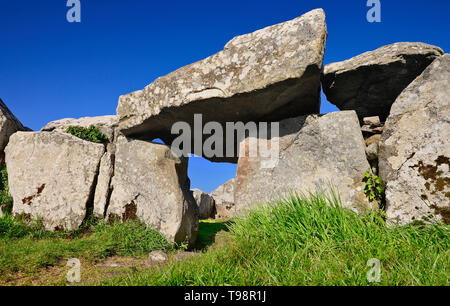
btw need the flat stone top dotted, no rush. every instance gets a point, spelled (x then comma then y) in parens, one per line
(384, 55)
(49, 138)
(248, 63)
(84, 121)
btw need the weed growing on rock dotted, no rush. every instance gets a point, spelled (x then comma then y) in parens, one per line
(374, 189)
(92, 134)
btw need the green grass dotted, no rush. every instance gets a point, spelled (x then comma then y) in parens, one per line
(299, 241)
(311, 241)
(5, 198)
(27, 248)
(208, 229)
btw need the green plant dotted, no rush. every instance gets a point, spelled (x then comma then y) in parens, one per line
(374, 189)
(92, 134)
(16, 228)
(5, 198)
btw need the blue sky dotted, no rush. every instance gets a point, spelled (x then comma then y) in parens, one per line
(52, 69)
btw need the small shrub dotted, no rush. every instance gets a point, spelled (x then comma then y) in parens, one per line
(92, 134)
(374, 189)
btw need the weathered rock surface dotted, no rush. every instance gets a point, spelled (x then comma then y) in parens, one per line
(372, 126)
(369, 83)
(205, 204)
(106, 124)
(224, 200)
(271, 74)
(9, 124)
(103, 187)
(52, 177)
(372, 121)
(415, 148)
(372, 147)
(151, 184)
(316, 152)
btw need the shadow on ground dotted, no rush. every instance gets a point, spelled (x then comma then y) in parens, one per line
(208, 229)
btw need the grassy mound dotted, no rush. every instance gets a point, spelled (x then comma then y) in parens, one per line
(311, 241)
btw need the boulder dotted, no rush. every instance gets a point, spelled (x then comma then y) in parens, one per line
(372, 147)
(372, 126)
(375, 139)
(316, 153)
(372, 121)
(106, 124)
(151, 184)
(271, 74)
(414, 154)
(9, 124)
(372, 151)
(224, 200)
(205, 204)
(52, 177)
(369, 83)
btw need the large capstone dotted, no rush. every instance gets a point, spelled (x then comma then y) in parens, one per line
(150, 184)
(369, 83)
(316, 154)
(271, 74)
(52, 177)
(414, 153)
